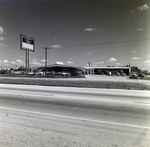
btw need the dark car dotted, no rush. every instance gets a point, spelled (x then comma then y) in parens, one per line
(117, 74)
(141, 75)
(133, 76)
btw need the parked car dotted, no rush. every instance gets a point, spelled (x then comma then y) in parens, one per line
(40, 73)
(133, 76)
(32, 73)
(108, 73)
(117, 74)
(123, 74)
(141, 75)
(19, 72)
(64, 74)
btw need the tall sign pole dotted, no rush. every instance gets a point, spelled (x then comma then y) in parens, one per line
(27, 44)
(26, 51)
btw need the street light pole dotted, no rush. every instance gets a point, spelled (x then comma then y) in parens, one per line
(46, 48)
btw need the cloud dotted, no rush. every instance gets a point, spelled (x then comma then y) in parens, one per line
(1, 38)
(1, 30)
(98, 63)
(140, 29)
(13, 62)
(118, 63)
(36, 63)
(56, 46)
(133, 51)
(6, 61)
(79, 60)
(149, 56)
(143, 8)
(112, 59)
(136, 58)
(102, 62)
(90, 29)
(147, 63)
(70, 62)
(2, 44)
(19, 61)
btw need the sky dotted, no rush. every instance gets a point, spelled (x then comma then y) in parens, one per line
(102, 32)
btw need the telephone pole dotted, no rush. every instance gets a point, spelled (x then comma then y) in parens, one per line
(46, 48)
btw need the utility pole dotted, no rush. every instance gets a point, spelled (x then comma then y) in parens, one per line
(89, 64)
(46, 48)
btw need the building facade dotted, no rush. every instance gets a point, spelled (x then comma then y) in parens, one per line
(57, 69)
(107, 70)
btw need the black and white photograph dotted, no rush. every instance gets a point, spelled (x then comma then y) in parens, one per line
(74, 73)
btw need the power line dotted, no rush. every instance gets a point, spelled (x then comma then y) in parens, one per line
(109, 43)
(100, 45)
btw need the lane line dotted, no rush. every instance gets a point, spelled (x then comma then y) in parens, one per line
(76, 118)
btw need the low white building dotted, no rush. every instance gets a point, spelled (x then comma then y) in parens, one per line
(107, 70)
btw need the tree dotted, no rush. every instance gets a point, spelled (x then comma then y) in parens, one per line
(137, 71)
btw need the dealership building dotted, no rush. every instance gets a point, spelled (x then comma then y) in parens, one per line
(107, 70)
(57, 69)
(76, 70)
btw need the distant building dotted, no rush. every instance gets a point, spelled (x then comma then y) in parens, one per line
(59, 69)
(107, 70)
(56, 69)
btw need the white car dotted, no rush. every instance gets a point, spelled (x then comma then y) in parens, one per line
(41, 73)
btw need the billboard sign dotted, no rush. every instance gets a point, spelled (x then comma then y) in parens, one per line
(27, 43)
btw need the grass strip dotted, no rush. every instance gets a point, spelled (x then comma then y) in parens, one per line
(77, 83)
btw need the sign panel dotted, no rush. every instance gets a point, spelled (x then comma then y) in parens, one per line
(27, 43)
(59, 63)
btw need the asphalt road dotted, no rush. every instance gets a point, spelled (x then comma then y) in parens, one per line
(44, 116)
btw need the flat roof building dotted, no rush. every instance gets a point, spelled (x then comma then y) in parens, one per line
(57, 69)
(76, 70)
(105, 70)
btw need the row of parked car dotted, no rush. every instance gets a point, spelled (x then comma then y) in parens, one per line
(50, 73)
(115, 74)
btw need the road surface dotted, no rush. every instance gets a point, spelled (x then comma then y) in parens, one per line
(44, 116)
